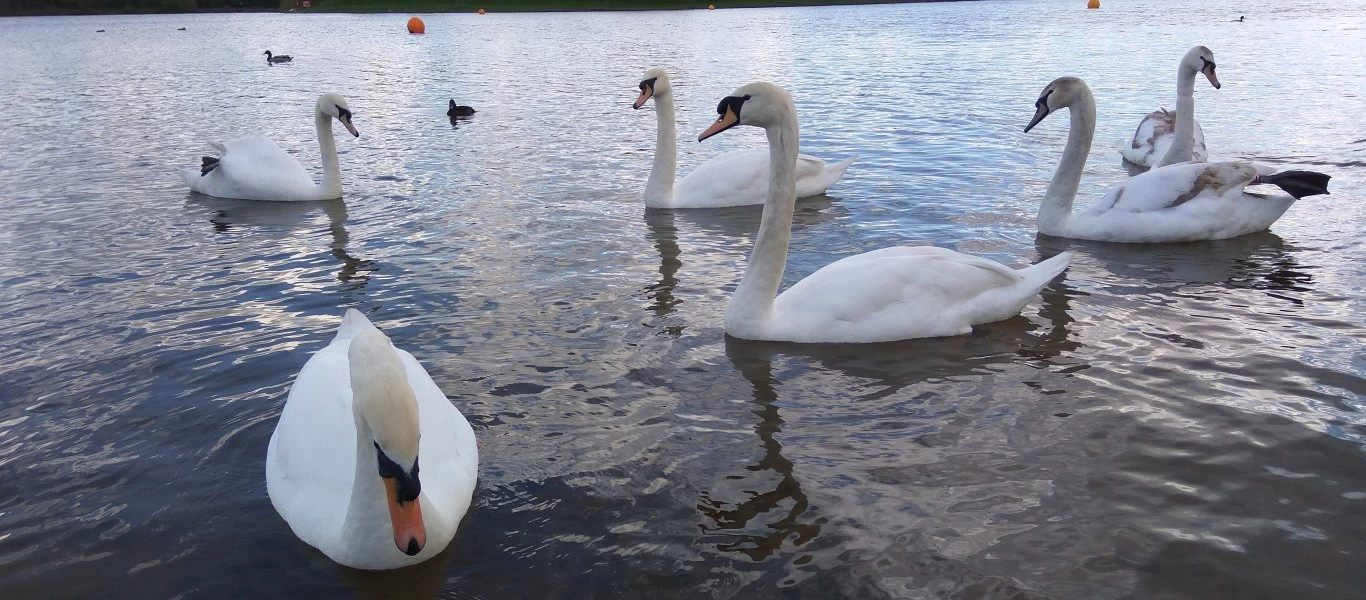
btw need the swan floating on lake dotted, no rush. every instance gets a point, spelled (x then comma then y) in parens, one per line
(1176, 203)
(890, 294)
(254, 168)
(342, 465)
(1164, 137)
(735, 178)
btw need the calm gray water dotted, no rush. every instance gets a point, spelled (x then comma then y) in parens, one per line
(1173, 421)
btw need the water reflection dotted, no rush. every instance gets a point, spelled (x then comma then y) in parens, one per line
(227, 215)
(1258, 261)
(422, 580)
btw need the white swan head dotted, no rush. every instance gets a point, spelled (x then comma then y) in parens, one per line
(1058, 94)
(654, 82)
(1200, 60)
(760, 104)
(334, 105)
(383, 398)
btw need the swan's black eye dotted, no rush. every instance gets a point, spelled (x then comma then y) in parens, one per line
(1042, 102)
(407, 485)
(342, 113)
(1209, 64)
(648, 83)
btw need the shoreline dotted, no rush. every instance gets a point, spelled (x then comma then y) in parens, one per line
(450, 6)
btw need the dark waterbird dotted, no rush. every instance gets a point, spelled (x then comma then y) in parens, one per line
(277, 59)
(457, 110)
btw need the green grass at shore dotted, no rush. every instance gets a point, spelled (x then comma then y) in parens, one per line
(438, 6)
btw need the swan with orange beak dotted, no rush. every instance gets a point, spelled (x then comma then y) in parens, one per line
(343, 463)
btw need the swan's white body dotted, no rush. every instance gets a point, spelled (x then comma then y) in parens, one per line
(889, 294)
(1165, 138)
(320, 466)
(1176, 203)
(735, 178)
(254, 168)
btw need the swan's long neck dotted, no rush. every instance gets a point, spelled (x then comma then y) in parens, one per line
(327, 145)
(1062, 192)
(1183, 137)
(367, 515)
(659, 190)
(753, 299)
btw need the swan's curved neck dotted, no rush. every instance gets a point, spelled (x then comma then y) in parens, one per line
(753, 299)
(1062, 192)
(367, 515)
(659, 190)
(327, 145)
(1183, 137)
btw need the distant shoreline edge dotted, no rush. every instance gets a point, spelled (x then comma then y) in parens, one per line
(21, 8)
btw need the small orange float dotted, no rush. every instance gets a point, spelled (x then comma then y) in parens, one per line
(481, 11)
(1093, 4)
(415, 25)
(711, 7)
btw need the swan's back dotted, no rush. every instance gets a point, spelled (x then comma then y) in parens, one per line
(900, 293)
(1154, 137)
(740, 178)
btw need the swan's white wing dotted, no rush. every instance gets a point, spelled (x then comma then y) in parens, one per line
(740, 178)
(1172, 186)
(254, 168)
(311, 460)
(1181, 202)
(889, 294)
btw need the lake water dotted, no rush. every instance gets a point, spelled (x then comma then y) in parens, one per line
(1165, 421)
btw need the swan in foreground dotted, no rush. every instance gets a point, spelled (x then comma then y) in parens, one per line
(736, 178)
(254, 168)
(1177, 203)
(459, 110)
(279, 58)
(1165, 138)
(342, 467)
(890, 294)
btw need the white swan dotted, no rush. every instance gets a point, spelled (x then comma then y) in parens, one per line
(342, 467)
(735, 178)
(253, 168)
(1165, 138)
(889, 294)
(1176, 203)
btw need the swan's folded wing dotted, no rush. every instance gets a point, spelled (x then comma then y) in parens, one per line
(892, 282)
(1171, 186)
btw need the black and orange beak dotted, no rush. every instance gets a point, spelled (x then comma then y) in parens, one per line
(410, 533)
(1208, 70)
(728, 115)
(647, 91)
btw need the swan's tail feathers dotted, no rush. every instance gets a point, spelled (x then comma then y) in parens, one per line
(210, 163)
(1040, 274)
(1297, 183)
(837, 169)
(353, 324)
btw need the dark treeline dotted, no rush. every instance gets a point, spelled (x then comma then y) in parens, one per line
(88, 7)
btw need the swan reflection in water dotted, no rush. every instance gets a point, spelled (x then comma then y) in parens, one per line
(733, 224)
(422, 580)
(227, 215)
(778, 513)
(1261, 261)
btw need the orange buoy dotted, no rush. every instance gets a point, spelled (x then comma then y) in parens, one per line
(481, 11)
(1092, 3)
(415, 25)
(711, 7)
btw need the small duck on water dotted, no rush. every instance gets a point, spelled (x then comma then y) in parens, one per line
(457, 110)
(277, 59)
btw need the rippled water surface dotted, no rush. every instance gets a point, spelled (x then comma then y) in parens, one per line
(1167, 421)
